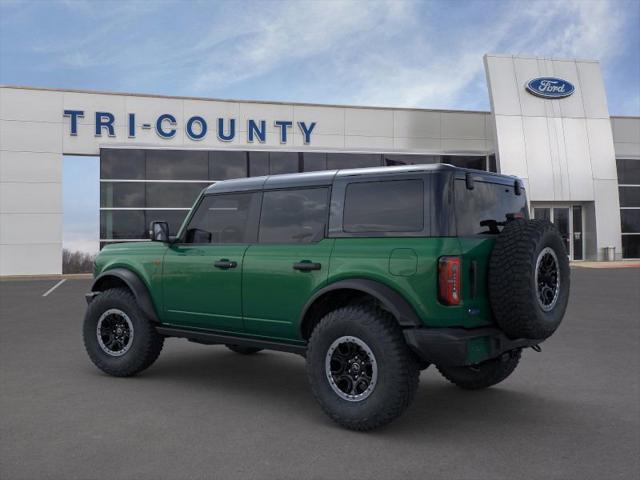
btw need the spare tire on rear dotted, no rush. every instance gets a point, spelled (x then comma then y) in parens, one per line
(529, 279)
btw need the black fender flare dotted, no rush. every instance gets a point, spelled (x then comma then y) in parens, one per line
(135, 284)
(387, 296)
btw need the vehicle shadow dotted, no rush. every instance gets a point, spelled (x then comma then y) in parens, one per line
(278, 381)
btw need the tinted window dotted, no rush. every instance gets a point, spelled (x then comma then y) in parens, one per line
(122, 164)
(294, 216)
(283, 162)
(486, 202)
(224, 165)
(258, 164)
(387, 206)
(228, 218)
(121, 224)
(628, 171)
(391, 160)
(630, 221)
(629, 196)
(631, 246)
(475, 162)
(130, 194)
(353, 160)
(173, 217)
(173, 195)
(314, 161)
(177, 165)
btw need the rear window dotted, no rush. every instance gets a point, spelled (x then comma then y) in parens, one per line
(385, 206)
(486, 204)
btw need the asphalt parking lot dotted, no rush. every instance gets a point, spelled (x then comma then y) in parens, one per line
(570, 412)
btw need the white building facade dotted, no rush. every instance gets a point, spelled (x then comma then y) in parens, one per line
(549, 124)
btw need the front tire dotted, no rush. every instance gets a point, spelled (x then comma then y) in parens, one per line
(361, 371)
(483, 375)
(118, 337)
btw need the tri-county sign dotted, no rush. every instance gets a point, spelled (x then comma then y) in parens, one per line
(196, 127)
(550, 87)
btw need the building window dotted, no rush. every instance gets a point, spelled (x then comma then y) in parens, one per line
(122, 224)
(337, 161)
(629, 194)
(392, 160)
(258, 164)
(314, 161)
(224, 165)
(385, 206)
(177, 165)
(173, 195)
(283, 162)
(122, 164)
(465, 161)
(122, 195)
(294, 216)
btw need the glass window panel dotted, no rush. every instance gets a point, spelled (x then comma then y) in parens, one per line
(628, 171)
(475, 162)
(486, 202)
(229, 218)
(173, 217)
(294, 216)
(353, 160)
(177, 165)
(227, 164)
(122, 164)
(283, 162)
(114, 194)
(629, 196)
(122, 224)
(631, 246)
(173, 195)
(314, 161)
(391, 160)
(630, 221)
(258, 164)
(542, 213)
(387, 206)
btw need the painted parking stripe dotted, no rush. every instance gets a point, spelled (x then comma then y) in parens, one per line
(54, 287)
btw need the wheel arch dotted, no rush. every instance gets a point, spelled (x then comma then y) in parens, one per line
(344, 291)
(122, 277)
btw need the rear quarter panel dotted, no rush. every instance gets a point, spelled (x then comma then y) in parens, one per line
(374, 259)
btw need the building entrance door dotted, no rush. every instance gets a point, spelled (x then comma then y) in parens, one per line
(568, 220)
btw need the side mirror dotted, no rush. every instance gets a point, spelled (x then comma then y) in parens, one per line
(159, 231)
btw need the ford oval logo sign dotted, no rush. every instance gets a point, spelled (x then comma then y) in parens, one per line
(550, 87)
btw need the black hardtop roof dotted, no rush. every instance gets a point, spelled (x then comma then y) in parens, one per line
(326, 177)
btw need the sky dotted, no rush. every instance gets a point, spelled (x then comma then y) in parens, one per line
(379, 53)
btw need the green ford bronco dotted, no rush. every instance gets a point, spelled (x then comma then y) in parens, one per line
(371, 274)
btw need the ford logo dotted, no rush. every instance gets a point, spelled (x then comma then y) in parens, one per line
(550, 87)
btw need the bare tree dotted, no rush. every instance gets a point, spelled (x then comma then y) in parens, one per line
(77, 262)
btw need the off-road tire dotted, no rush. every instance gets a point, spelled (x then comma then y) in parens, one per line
(513, 291)
(484, 374)
(397, 367)
(243, 350)
(145, 345)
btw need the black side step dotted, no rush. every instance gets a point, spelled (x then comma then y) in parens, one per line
(218, 338)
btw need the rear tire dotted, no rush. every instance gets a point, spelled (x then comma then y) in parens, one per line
(483, 375)
(242, 349)
(361, 372)
(118, 337)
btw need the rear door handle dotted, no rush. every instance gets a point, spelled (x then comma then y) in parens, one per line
(225, 264)
(306, 266)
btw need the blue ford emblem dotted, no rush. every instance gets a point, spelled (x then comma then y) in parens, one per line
(550, 87)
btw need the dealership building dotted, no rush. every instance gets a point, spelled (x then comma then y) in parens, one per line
(549, 124)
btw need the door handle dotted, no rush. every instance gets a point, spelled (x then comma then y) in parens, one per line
(306, 266)
(225, 264)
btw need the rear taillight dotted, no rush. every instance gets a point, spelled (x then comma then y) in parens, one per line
(449, 280)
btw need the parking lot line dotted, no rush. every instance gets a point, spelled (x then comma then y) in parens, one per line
(54, 287)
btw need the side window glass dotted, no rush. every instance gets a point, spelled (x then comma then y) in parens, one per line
(294, 216)
(227, 218)
(384, 206)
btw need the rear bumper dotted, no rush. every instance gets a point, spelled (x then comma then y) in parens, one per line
(460, 346)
